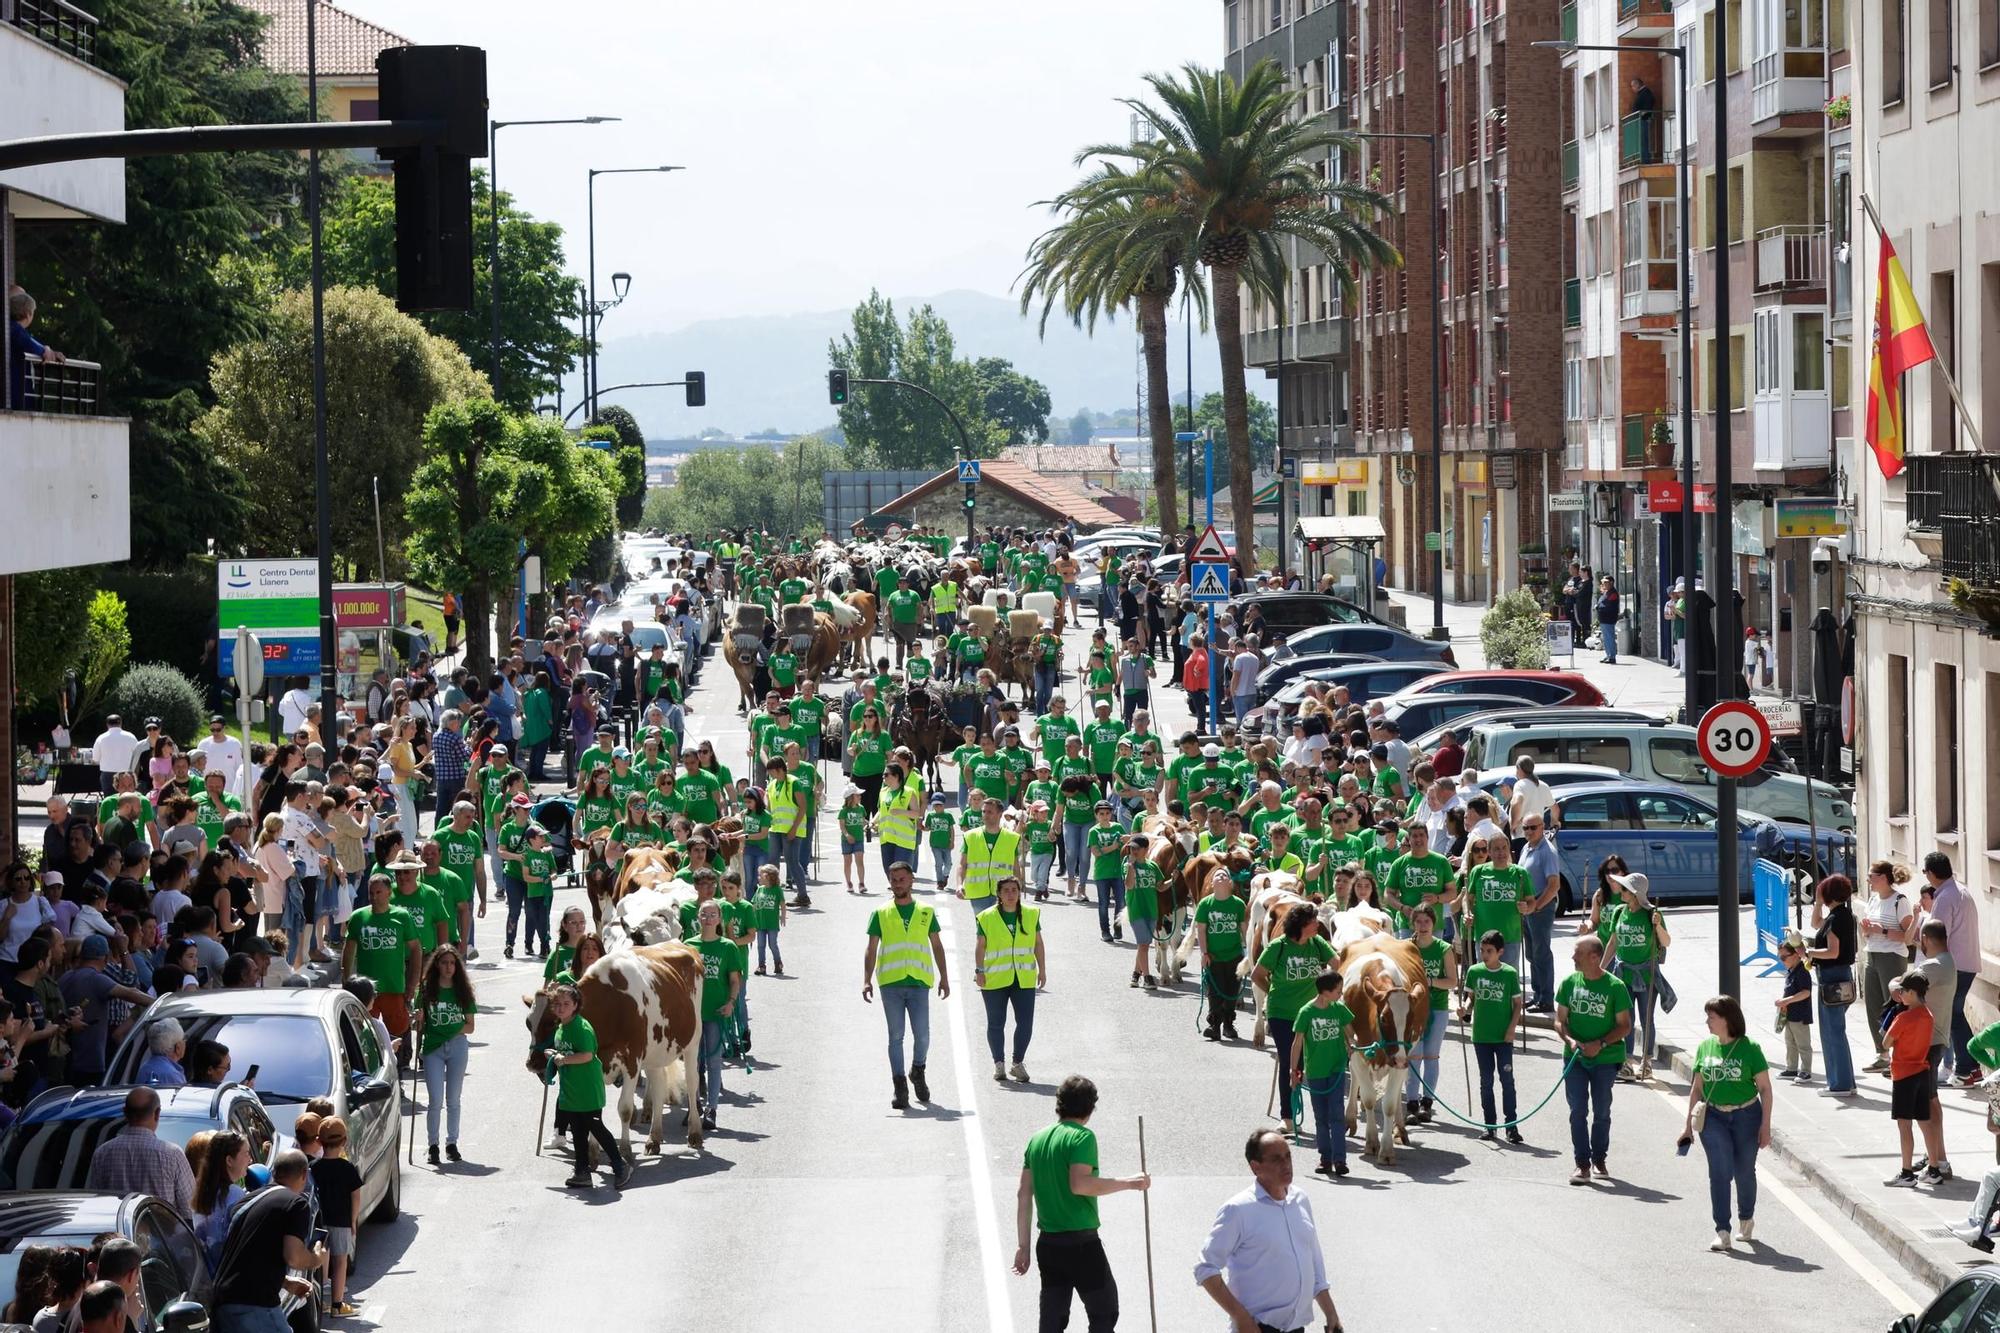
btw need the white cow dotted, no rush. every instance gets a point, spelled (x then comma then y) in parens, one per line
(647, 916)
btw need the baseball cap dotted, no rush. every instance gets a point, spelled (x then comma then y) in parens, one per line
(521, 802)
(497, 749)
(621, 753)
(96, 946)
(937, 797)
(1103, 805)
(1211, 752)
(151, 723)
(217, 720)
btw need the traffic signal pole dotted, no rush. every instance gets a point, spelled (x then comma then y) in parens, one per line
(837, 382)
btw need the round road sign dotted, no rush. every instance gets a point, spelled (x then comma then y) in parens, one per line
(895, 532)
(1734, 739)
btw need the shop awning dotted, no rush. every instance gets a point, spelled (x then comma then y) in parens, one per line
(1340, 528)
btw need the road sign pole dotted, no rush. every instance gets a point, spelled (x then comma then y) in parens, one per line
(1734, 740)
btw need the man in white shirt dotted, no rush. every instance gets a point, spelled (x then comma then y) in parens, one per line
(114, 749)
(292, 706)
(1532, 796)
(1262, 1261)
(1438, 801)
(223, 753)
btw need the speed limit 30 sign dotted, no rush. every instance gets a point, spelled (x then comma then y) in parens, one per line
(1734, 739)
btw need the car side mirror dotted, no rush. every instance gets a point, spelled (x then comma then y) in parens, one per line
(370, 1091)
(185, 1316)
(1907, 1324)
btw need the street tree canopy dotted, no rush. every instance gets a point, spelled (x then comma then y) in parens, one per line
(888, 427)
(1016, 403)
(1208, 416)
(757, 488)
(629, 457)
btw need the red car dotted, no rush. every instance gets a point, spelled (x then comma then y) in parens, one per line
(1547, 688)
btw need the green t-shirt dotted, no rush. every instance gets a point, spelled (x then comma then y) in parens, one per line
(700, 795)
(1040, 790)
(1414, 878)
(1049, 1156)
(539, 863)
(870, 752)
(918, 668)
(1142, 891)
(444, 1018)
(720, 959)
(904, 606)
(460, 852)
(1493, 993)
(430, 912)
(107, 809)
(210, 812)
(971, 649)
(1729, 1070)
(1048, 649)
(887, 581)
(1293, 968)
(938, 824)
(853, 823)
(767, 906)
(1041, 837)
(579, 1087)
(1433, 955)
(1631, 935)
(809, 715)
(1323, 1028)
(1019, 760)
(1593, 1008)
(1224, 918)
(1099, 680)
(1107, 851)
(1496, 895)
(792, 590)
(381, 946)
(1053, 733)
(1101, 739)
(784, 666)
(1205, 783)
(453, 889)
(990, 776)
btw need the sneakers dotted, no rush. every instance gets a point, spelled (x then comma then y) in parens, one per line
(1744, 1226)
(1151, 984)
(434, 1155)
(760, 972)
(1018, 1073)
(348, 1310)
(1971, 1236)
(623, 1175)
(1135, 981)
(1603, 1170)
(1324, 1169)
(1721, 1243)
(1340, 1168)
(1788, 1073)
(1580, 1176)
(1229, 1032)
(1489, 1137)
(999, 1072)
(507, 952)
(452, 1153)
(1104, 935)
(1514, 1134)
(1117, 931)
(580, 1180)
(1937, 1173)
(1904, 1179)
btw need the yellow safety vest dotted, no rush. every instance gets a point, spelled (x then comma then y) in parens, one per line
(987, 858)
(896, 821)
(1010, 951)
(905, 954)
(944, 596)
(780, 803)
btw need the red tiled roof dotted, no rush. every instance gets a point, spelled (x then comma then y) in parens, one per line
(1057, 499)
(347, 45)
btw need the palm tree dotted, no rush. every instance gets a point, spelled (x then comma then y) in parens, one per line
(1241, 172)
(1120, 243)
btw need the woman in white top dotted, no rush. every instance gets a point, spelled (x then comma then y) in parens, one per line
(21, 915)
(279, 871)
(1885, 926)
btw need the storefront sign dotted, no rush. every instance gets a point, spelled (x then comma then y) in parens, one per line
(280, 600)
(1506, 472)
(367, 605)
(1810, 518)
(1704, 498)
(1569, 502)
(1471, 474)
(1665, 496)
(1333, 472)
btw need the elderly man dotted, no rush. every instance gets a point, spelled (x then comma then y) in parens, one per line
(1262, 1261)
(139, 1161)
(450, 761)
(21, 345)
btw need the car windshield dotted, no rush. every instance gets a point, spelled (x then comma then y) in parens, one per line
(290, 1051)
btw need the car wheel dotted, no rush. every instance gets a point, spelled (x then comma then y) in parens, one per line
(392, 1199)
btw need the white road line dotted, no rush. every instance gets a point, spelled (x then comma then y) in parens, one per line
(999, 1312)
(1901, 1301)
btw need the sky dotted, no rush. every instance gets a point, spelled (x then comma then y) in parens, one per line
(830, 146)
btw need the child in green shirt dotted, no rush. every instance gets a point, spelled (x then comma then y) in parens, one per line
(939, 831)
(538, 872)
(853, 842)
(1041, 836)
(768, 915)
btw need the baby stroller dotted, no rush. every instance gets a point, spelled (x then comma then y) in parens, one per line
(558, 815)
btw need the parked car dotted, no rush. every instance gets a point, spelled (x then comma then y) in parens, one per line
(1970, 1303)
(1653, 750)
(1368, 640)
(1669, 836)
(174, 1280)
(49, 1145)
(1291, 613)
(1417, 713)
(1499, 783)
(1535, 687)
(1520, 712)
(1276, 675)
(1364, 681)
(306, 1043)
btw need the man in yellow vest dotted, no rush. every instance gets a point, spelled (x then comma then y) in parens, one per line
(988, 853)
(944, 606)
(790, 842)
(1009, 965)
(897, 815)
(906, 958)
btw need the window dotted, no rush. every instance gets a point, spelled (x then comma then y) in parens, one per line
(1613, 752)
(1809, 352)
(1944, 736)
(1607, 101)
(1766, 330)
(1657, 811)
(365, 108)
(1894, 31)
(1898, 719)
(1739, 204)
(1599, 810)
(1545, 751)
(1989, 354)
(1943, 323)
(1942, 70)
(1955, 1310)
(1232, 25)
(1989, 33)
(1675, 759)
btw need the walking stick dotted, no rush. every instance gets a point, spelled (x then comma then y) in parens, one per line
(543, 1119)
(1146, 1212)
(410, 1154)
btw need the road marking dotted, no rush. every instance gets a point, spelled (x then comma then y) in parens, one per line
(1885, 1286)
(999, 1312)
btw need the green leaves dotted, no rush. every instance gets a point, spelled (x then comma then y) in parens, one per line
(756, 488)
(886, 427)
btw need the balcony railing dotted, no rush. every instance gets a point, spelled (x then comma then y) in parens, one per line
(66, 388)
(1791, 257)
(1573, 303)
(60, 24)
(1639, 138)
(1955, 495)
(1572, 164)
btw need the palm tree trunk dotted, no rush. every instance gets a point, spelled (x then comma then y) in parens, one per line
(1159, 410)
(1227, 292)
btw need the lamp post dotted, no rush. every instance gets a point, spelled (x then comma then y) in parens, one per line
(1684, 189)
(1429, 140)
(493, 128)
(592, 311)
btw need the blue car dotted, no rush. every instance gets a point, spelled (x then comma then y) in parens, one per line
(1669, 836)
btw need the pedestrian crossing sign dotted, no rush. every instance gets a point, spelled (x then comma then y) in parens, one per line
(968, 471)
(1210, 583)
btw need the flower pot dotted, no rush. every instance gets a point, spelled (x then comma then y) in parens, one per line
(1659, 453)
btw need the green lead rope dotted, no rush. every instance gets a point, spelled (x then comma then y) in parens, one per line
(1505, 1124)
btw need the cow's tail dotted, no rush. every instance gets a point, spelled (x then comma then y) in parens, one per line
(1186, 950)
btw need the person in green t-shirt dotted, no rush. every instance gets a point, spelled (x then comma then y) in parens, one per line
(1593, 1016)
(1493, 1004)
(1319, 1064)
(1066, 1200)
(1285, 972)
(1441, 967)
(572, 1064)
(538, 878)
(939, 829)
(427, 908)
(721, 996)
(1636, 935)
(1732, 1078)
(853, 820)
(1039, 832)
(382, 945)
(1419, 877)
(1219, 924)
(905, 606)
(1053, 728)
(445, 1013)
(1101, 736)
(1106, 844)
(1497, 895)
(1143, 882)
(767, 905)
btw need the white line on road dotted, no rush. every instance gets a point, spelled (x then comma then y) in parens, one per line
(999, 1312)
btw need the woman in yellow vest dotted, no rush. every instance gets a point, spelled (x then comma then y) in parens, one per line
(1009, 963)
(898, 817)
(944, 607)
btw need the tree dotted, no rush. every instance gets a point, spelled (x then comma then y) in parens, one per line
(1208, 416)
(755, 488)
(1081, 427)
(1016, 403)
(887, 427)
(383, 375)
(489, 482)
(539, 302)
(48, 632)
(629, 458)
(157, 298)
(107, 642)
(1238, 164)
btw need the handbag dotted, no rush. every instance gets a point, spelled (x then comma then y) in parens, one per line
(1993, 1110)
(1700, 1116)
(1836, 994)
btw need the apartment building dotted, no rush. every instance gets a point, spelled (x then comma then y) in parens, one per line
(345, 46)
(1925, 98)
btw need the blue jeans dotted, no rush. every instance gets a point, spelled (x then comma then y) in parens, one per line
(537, 925)
(753, 861)
(1076, 841)
(1424, 1059)
(1329, 1104)
(1045, 685)
(1541, 956)
(1645, 1011)
(1242, 705)
(998, 1000)
(1833, 1030)
(1510, 954)
(914, 1004)
(711, 1063)
(444, 1076)
(250, 1319)
(1039, 865)
(538, 759)
(294, 921)
(769, 938)
(1608, 635)
(795, 852)
(516, 894)
(1495, 1058)
(1110, 902)
(1730, 1140)
(1588, 1089)
(941, 865)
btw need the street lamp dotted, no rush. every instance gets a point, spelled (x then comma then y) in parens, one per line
(621, 283)
(1684, 188)
(493, 128)
(592, 311)
(1430, 140)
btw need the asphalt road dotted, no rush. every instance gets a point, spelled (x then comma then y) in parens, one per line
(817, 1206)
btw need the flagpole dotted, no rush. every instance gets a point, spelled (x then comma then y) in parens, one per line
(1937, 362)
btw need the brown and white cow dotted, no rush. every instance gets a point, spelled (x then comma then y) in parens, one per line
(1190, 886)
(645, 1006)
(1385, 987)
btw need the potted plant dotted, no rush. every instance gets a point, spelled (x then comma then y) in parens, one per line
(1839, 109)
(1982, 603)
(1660, 444)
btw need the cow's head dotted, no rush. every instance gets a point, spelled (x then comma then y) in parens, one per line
(541, 1030)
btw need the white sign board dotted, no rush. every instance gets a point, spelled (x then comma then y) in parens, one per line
(1574, 502)
(1562, 639)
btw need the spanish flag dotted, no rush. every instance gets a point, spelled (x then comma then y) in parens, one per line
(1902, 343)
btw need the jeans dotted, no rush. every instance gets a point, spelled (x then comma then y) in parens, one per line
(1134, 701)
(1730, 1140)
(1541, 956)
(538, 758)
(293, 921)
(912, 1003)
(891, 854)
(1281, 1046)
(447, 797)
(1329, 1106)
(1198, 708)
(1073, 1264)
(769, 938)
(444, 1077)
(1510, 954)
(711, 1063)
(1045, 685)
(1242, 705)
(1645, 1013)
(258, 1319)
(1110, 902)
(516, 893)
(1039, 865)
(1588, 1089)
(1495, 1058)
(754, 859)
(537, 925)
(1608, 635)
(1424, 1059)
(1961, 1030)
(941, 865)
(998, 1000)
(1076, 839)
(1833, 1030)
(1981, 1215)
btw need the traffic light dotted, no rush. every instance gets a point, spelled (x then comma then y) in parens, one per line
(971, 498)
(836, 387)
(697, 387)
(434, 181)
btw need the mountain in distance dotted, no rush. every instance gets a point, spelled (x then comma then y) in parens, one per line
(770, 370)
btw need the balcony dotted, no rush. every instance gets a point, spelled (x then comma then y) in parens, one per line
(56, 22)
(67, 388)
(1320, 340)
(1788, 93)
(1573, 303)
(51, 88)
(1645, 18)
(68, 497)
(1569, 21)
(1572, 161)
(1958, 497)
(1791, 258)
(1639, 139)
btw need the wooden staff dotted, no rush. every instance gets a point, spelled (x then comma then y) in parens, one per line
(543, 1119)
(1146, 1212)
